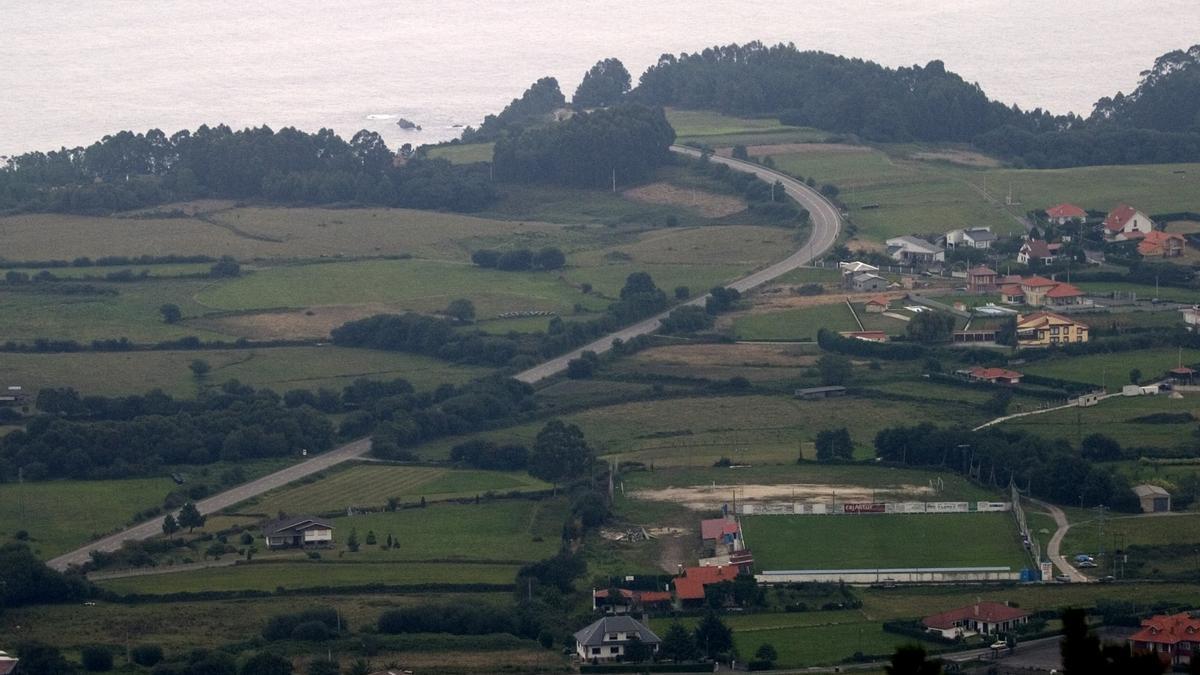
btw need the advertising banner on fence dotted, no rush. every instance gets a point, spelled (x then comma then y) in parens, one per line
(864, 507)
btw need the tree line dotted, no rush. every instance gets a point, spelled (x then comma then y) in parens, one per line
(130, 170)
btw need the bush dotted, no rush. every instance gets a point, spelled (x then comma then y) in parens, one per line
(96, 659)
(311, 631)
(146, 655)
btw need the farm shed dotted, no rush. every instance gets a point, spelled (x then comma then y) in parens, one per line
(1153, 498)
(813, 393)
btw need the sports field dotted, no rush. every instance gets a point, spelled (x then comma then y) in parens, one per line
(871, 541)
(371, 485)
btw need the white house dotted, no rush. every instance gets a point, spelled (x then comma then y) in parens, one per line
(914, 250)
(297, 531)
(1124, 220)
(606, 639)
(971, 237)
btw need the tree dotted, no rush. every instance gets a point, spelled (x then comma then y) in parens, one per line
(485, 257)
(549, 258)
(606, 83)
(461, 309)
(352, 541)
(739, 152)
(1135, 375)
(580, 369)
(930, 327)
(713, 637)
(1099, 448)
(170, 313)
(40, 659)
(834, 444)
(199, 368)
(560, 453)
(225, 267)
(767, 653)
(678, 644)
(371, 541)
(190, 517)
(323, 667)
(1006, 332)
(637, 651)
(834, 369)
(96, 659)
(682, 292)
(359, 667)
(910, 660)
(266, 663)
(170, 526)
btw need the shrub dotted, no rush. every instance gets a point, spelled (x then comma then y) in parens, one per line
(96, 659)
(146, 655)
(311, 631)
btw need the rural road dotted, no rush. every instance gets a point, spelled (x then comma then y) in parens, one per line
(826, 223)
(1052, 549)
(218, 501)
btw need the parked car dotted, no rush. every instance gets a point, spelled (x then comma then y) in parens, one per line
(1063, 578)
(1000, 644)
(1083, 557)
(1107, 579)
(1087, 564)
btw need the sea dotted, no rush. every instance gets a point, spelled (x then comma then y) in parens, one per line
(71, 72)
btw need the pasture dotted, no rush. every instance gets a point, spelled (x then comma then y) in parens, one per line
(717, 130)
(1141, 292)
(805, 638)
(1113, 370)
(462, 153)
(64, 514)
(755, 362)
(1115, 418)
(277, 368)
(1122, 531)
(872, 541)
(371, 485)
(794, 324)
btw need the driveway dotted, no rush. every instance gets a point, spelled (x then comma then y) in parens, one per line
(1053, 548)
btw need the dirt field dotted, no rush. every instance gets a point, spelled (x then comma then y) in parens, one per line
(796, 148)
(315, 323)
(729, 354)
(960, 157)
(711, 497)
(707, 204)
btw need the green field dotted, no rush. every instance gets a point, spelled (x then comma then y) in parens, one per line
(269, 576)
(795, 324)
(1113, 369)
(1087, 536)
(62, 515)
(717, 130)
(277, 368)
(805, 638)
(371, 485)
(871, 541)
(462, 153)
(1142, 292)
(1112, 418)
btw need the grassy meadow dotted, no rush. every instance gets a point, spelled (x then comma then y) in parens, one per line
(463, 153)
(717, 130)
(871, 541)
(371, 485)
(1115, 418)
(795, 324)
(1113, 369)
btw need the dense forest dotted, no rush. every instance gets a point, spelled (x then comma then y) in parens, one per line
(1158, 122)
(625, 143)
(127, 171)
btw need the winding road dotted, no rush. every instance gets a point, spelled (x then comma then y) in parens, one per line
(826, 223)
(1053, 549)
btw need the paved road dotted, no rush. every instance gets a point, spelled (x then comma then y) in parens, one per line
(219, 501)
(1052, 549)
(826, 223)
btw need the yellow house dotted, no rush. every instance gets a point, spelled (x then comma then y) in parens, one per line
(1043, 329)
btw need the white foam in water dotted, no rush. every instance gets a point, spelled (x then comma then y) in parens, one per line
(380, 116)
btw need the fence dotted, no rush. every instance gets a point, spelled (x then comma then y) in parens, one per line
(866, 508)
(1031, 542)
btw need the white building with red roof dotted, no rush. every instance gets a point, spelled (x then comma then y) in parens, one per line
(1125, 220)
(1175, 638)
(986, 618)
(1061, 214)
(994, 375)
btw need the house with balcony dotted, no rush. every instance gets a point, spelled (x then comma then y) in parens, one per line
(1175, 638)
(1125, 222)
(1159, 244)
(1046, 329)
(1039, 291)
(608, 638)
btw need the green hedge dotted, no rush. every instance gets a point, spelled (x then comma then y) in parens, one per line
(646, 668)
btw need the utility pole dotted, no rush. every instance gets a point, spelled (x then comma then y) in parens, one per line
(614, 179)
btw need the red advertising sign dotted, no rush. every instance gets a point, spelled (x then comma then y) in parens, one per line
(863, 508)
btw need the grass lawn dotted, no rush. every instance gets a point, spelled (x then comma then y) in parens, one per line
(850, 542)
(61, 515)
(1142, 292)
(811, 275)
(1113, 418)
(278, 368)
(179, 626)
(366, 485)
(463, 153)
(717, 130)
(1113, 369)
(806, 638)
(270, 576)
(795, 324)
(1122, 531)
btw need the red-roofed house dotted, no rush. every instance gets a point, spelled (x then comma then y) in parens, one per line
(1175, 638)
(865, 335)
(7, 663)
(720, 531)
(1065, 213)
(689, 587)
(1043, 329)
(1125, 220)
(878, 304)
(1037, 250)
(988, 618)
(994, 375)
(630, 601)
(1038, 291)
(1158, 244)
(981, 278)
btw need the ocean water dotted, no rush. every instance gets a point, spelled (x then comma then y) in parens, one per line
(72, 72)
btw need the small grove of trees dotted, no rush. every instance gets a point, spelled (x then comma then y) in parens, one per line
(911, 660)
(605, 84)
(834, 444)
(190, 517)
(316, 624)
(170, 313)
(560, 453)
(482, 454)
(534, 107)
(834, 369)
(461, 310)
(930, 327)
(521, 259)
(1082, 652)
